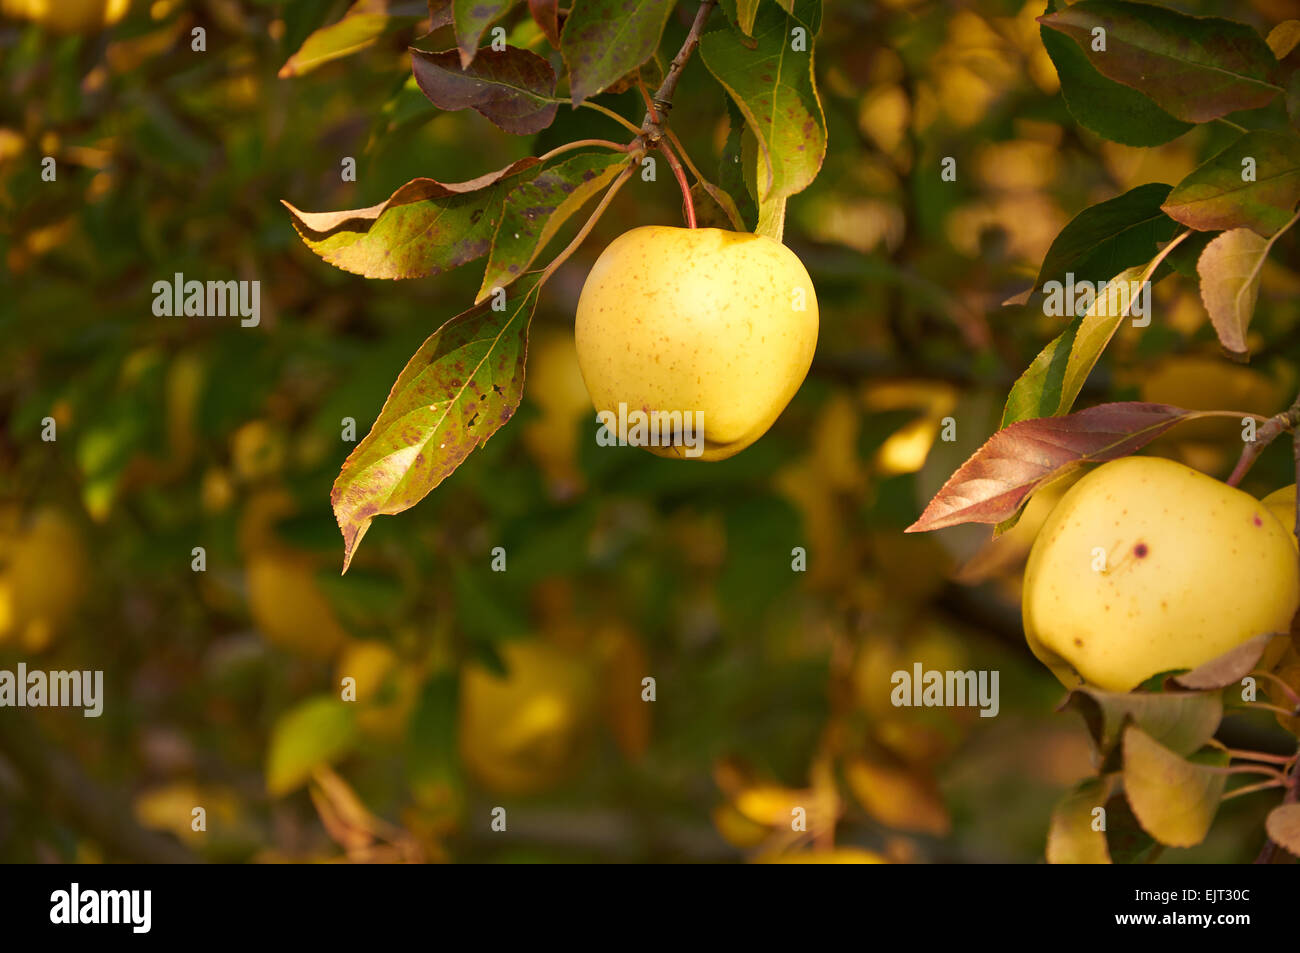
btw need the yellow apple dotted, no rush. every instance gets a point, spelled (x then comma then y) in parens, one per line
(1281, 503)
(707, 321)
(526, 731)
(43, 567)
(1146, 566)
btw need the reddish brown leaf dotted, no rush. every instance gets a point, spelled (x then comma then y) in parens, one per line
(513, 88)
(546, 13)
(1015, 461)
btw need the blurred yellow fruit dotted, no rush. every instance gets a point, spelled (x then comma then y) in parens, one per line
(67, 16)
(697, 320)
(1281, 503)
(43, 568)
(528, 730)
(287, 604)
(555, 386)
(838, 855)
(1209, 383)
(386, 688)
(1147, 566)
(258, 450)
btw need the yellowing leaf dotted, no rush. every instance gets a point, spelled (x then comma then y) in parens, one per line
(898, 797)
(1229, 269)
(1174, 798)
(1071, 838)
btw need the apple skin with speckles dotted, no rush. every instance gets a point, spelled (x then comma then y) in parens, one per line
(697, 320)
(1192, 568)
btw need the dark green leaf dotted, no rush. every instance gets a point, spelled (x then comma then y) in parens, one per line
(604, 40)
(1195, 68)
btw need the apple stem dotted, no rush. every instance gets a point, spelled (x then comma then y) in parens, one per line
(688, 205)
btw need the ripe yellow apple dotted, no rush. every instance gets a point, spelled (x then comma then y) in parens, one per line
(1146, 566)
(42, 577)
(1281, 503)
(524, 732)
(683, 321)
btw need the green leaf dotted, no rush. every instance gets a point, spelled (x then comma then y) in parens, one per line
(316, 732)
(774, 88)
(746, 11)
(536, 210)
(1110, 109)
(731, 168)
(1097, 328)
(1071, 838)
(604, 40)
(424, 228)
(458, 389)
(513, 88)
(1037, 392)
(470, 18)
(807, 12)
(364, 23)
(1174, 798)
(1051, 383)
(1109, 237)
(1215, 195)
(1194, 68)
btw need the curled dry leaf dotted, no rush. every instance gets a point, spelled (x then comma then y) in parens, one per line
(424, 228)
(1283, 826)
(1229, 668)
(1015, 461)
(1181, 721)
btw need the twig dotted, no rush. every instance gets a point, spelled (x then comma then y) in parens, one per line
(1252, 788)
(606, 111)
(652, 128)
(582, 144)
(58, 781)
(1269, 850)
(1286, 689)
(1266, 434)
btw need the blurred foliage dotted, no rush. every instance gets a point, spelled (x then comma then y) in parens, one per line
(223, 686)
